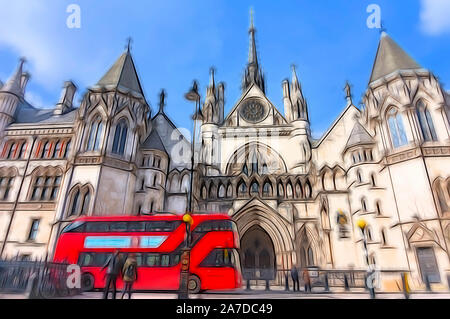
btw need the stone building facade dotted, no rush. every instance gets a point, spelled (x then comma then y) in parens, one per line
(108, 156)
(295, 199)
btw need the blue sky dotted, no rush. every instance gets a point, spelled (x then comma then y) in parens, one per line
(175, 42)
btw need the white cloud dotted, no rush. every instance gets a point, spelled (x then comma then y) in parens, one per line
(434, 16)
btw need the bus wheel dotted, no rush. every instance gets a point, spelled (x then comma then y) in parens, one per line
(194, 285)
(87, 282)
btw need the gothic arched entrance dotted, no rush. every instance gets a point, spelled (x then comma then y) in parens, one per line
(257, 254)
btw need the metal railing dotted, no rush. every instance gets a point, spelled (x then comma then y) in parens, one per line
(326, 280)
(37, 279)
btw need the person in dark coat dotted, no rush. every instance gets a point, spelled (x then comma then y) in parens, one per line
(294, 276)
(307, 280)
(113, 267)
(129, 274)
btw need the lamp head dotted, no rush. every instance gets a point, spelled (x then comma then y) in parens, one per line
(187, 218)
(193, 94)
(361, 224)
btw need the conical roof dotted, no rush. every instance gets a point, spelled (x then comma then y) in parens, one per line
(359, 136)
(13, 85)
(154, 142)
(390, 58)
(122, 74)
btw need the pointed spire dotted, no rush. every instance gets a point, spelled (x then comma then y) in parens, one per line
(390, 58)
(252, 55)
(162, 101)
(123, 74)
(295, 82)
(299, 105)
(348, 92)
(14, 84)
(212, 83)
(253, 73)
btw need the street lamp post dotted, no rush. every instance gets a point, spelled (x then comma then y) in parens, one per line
(363, 225)
(192, 96)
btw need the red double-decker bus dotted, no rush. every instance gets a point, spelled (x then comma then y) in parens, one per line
(157, 241)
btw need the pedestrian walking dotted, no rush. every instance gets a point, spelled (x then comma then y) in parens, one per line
(295, 279)
(113, 267)
(129, 274)
(307, 280)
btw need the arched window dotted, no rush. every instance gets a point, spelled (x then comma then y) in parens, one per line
(378, 208)
(359, 176)
(229, 191)
(369, 234)
(120, 138)
(80, 202)
(22, 150)
(383, 237)
(221, 193)
(75, 203)
(372, 179)
(212, 191)
(298, 190)
(67, 149)
(310, 257)
(443, 205)
(46, 150)
(245, 169)
(396, 128)
(280, 190)
(204, 192)
(254, 164)
(12, 150)
(308, 189)
(242, 188)
(267, 189)
(45, 187)
(95, 135)
(57, 149)
(254, 188)
(425, 122)
(363, 205)
(6, 183)
(289, 191)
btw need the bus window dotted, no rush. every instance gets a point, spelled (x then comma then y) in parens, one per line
(162, 226)
(139, 260)
(93, 259)
(75, 227)
(220, 258)
(136, 226)
(152, 260)
(118, 227)
(175, 259)
(165, 260)
(97, 227)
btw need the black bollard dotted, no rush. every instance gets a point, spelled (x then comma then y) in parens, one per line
(248, 285)
(427, 282)
(347, 288)
(267, 285)
(286, 282)
(327, 287)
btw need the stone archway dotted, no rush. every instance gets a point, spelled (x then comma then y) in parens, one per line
(257, 254)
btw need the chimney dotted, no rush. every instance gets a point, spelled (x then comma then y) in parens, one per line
(65, 103)
(24, 81)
